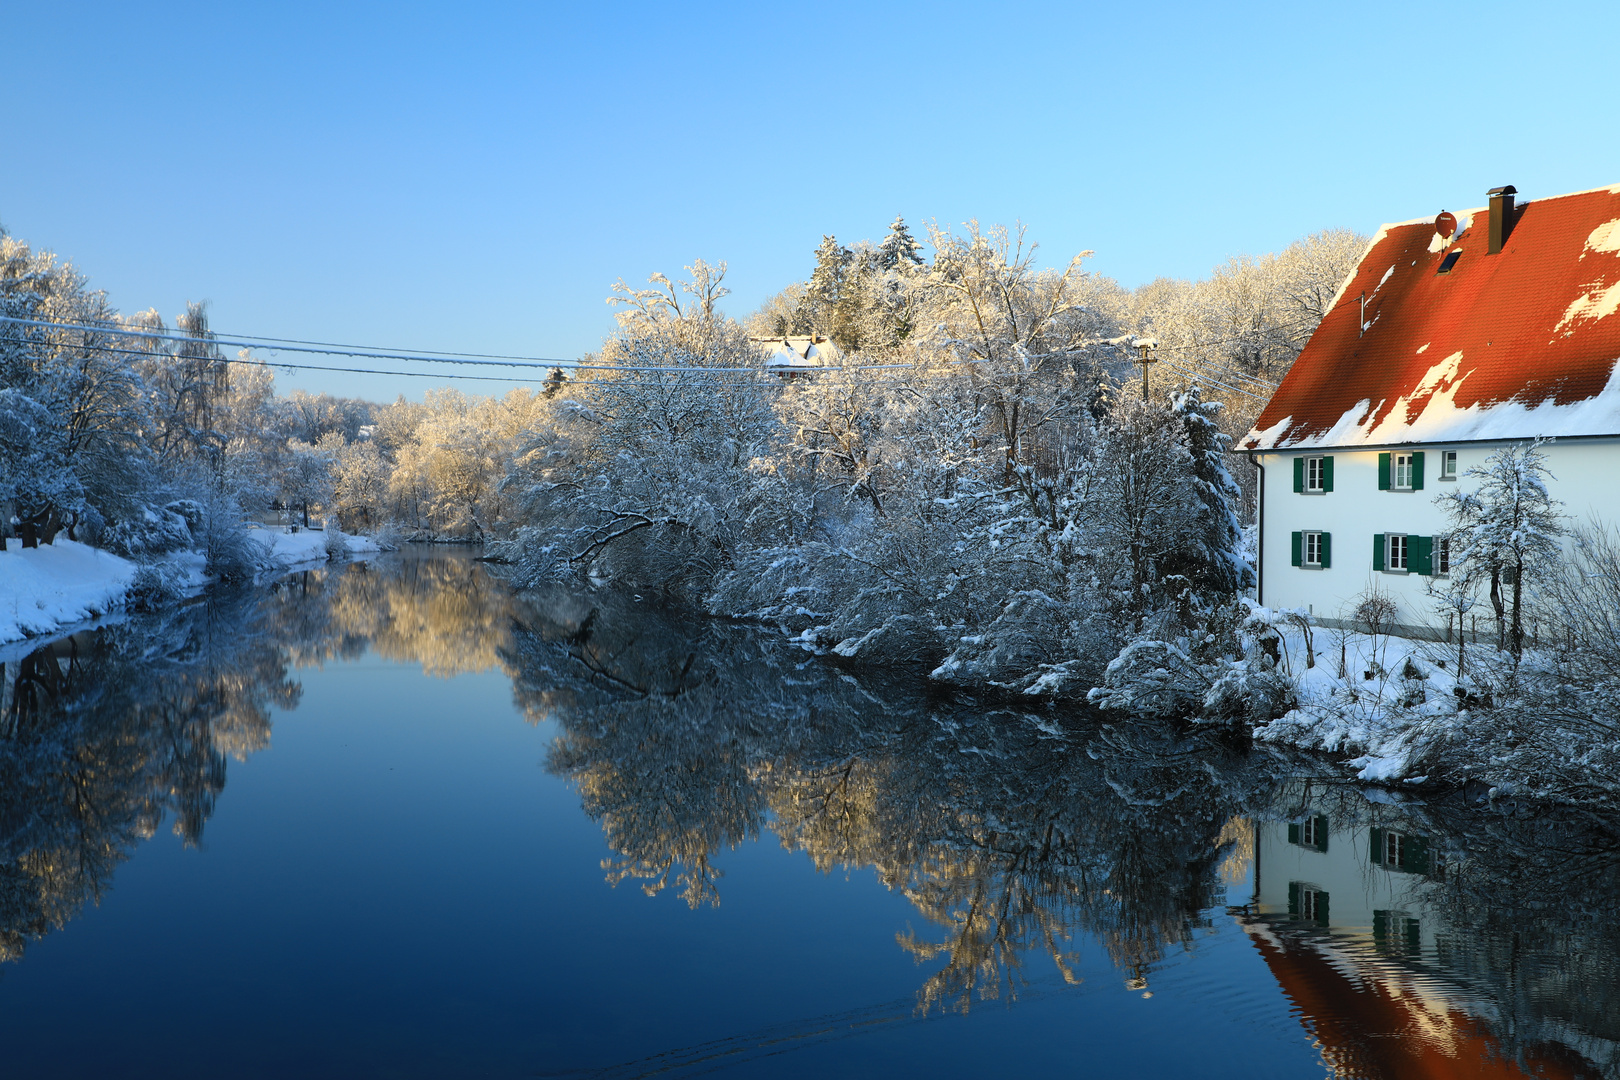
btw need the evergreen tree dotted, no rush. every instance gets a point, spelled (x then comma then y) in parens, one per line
(1214, 559)
(899, 250)
(829, 283)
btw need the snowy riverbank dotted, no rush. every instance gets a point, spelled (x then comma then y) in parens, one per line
(48, 589)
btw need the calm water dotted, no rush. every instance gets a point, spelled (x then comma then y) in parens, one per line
(388, 821)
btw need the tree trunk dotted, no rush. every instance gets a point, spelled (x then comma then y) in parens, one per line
(1518, 613)
(1496, 604)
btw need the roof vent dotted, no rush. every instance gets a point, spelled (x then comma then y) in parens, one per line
(1501, 223)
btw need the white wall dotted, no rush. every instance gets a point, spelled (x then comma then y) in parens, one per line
(1355, 885)
(1586, 478)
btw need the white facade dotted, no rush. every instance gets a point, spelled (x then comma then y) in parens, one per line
(1586, 478)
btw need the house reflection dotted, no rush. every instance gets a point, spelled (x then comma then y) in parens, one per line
(1388, 935)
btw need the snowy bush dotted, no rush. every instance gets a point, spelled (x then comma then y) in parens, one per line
(155, 585)
(151, 533)
(337, 547)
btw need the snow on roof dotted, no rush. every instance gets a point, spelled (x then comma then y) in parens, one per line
(1505, 346)
(794, 352)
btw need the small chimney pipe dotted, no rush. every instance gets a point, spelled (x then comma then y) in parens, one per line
(1501, 217)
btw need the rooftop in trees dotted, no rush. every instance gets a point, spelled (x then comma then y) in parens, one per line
(1507, 344)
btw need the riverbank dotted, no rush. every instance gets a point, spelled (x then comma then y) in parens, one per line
(48, 589)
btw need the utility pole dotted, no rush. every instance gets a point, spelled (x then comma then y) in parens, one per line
(1144, 344)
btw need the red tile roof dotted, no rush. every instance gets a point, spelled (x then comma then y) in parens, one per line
(1507, 346)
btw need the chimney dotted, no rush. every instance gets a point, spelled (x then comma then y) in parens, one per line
(1501, 217)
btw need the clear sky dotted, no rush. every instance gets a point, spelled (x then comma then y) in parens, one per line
(474, 177)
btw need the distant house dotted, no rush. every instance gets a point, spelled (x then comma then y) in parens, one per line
(793, 353)
(1445, 343)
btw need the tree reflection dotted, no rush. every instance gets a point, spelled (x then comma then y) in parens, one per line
(1010, 834)
(105, 735)
(1021, 837)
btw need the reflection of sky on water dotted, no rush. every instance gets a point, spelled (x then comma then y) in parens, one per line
(397, 878)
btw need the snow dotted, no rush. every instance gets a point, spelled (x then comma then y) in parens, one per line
(54, 586)
(1375, 711)
(1441, 419)
(46, 588)
(1600, 303)
(1606, 237)
(285, 550)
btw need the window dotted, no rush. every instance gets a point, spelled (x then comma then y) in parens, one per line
(1311, 833)
(1308, 903)
(1395, 558)
(1403, 472)
(1448, 465)
(1449, 261)
(1442, 555)
(1313, 475)
(1311, 549)
(1397, 932)
(1405, 852)
(1400, 472)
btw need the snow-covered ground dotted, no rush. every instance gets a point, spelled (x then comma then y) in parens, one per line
(285, 550)
(45, 588)
(1373, 696)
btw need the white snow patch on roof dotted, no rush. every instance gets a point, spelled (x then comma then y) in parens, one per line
(1424, 347)
(1600, 303)
(1606, 237)
(1441, 419)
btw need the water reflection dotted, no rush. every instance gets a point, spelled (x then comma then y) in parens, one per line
(1422, 940)
(106, 734)
(1412, 940)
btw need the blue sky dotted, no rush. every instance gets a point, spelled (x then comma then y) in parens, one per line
(474, 177)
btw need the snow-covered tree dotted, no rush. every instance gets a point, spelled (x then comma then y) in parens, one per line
(1506, 530)
(1214, 558)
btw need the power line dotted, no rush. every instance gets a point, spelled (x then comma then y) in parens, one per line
(246, 343)
(1197, 377)
(358, 353)
(300, 367)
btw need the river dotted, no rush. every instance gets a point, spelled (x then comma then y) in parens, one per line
(388, 819)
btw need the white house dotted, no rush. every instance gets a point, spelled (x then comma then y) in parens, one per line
(1453, 336)
(787, 355)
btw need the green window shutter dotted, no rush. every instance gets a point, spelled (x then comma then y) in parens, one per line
(1377, 846)
(1321, 909)
(1299, 475)
(1415, 855)
(1293, 898)
(1417, 470)
(1293, 833)
(1414, 937)
(1298, 542)
(1383, 472)
(1327, 477)
(1327, 550)
(1378, 551)
(1423, 555)
(1321, 834)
